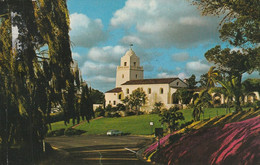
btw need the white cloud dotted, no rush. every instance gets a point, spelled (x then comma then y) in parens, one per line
(101, 76)
(181, 75)
(197, 67)
(178, 68)
(164, 23)
(193, 21)
(104, 79)
(99, 69)
(132, 39)
(107, 54)
(91, 69)
(236, 49)
(86, 32)
(76, 56)
(180, 56)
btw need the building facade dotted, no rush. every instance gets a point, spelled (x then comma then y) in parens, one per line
(130, 76)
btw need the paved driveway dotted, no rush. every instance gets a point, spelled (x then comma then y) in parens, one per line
(101, 150)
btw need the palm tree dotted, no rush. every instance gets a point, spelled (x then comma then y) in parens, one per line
(203, 101)
(213, 76)
(231, 84)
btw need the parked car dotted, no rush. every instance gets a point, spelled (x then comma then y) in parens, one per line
(114, 133)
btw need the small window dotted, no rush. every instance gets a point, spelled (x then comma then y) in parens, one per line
(149, 90)
(125, 63)
(134, 63)
(109, 102)
(136, 76)
(177, 83)
(127, 91)
(114, 102)
(123, 75)
(119, 96)
(161, 90)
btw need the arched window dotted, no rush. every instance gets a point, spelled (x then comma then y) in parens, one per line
(136, 76)
(127, 91)
(125, 63)
(149, 90)
(119, 96)
(161, 90)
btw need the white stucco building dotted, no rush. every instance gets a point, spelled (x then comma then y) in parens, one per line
(130, 76)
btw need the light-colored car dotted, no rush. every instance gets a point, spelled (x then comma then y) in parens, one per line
(114, 133)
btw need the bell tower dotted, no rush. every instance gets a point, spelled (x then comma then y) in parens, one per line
(129, 68)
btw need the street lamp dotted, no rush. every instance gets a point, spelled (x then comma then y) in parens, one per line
(151, 125)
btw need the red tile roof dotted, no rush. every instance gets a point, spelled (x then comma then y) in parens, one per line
(115, 90)
(151, 81)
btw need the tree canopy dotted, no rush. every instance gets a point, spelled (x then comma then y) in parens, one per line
(240, 23)
(240, 27)
(136, 99)
(36, 72)
(171, 117)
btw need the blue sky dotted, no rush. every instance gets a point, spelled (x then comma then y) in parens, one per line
(169, 36)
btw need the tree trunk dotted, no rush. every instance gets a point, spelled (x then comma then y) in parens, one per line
(237, 103)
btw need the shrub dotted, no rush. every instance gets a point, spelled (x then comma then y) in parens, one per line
(108, 114)
(72, 131)
(56, 117)
(140, 112)
(112, 114)
(116, 115)
(130, 113)
(157, 107)
(99, 112)
(58, 132)
(120, 107)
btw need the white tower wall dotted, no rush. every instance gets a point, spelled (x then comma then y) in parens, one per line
(129, 68)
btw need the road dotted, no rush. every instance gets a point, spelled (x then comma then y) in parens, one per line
(98, 150)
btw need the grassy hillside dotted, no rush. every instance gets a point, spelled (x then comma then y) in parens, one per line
(135, 125)
(212, 141)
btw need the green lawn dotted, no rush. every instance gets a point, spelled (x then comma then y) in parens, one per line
(135, 125)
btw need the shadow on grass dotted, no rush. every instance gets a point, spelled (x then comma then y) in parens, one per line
(67, 132)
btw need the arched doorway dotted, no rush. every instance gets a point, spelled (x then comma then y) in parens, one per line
(251, 97)
(216, 99)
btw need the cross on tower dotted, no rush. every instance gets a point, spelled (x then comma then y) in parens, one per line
(130, 45)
